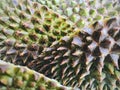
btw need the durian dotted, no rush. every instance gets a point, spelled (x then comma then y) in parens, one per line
(84, 12)
(13, 77)
(88, 59)
(26, 28)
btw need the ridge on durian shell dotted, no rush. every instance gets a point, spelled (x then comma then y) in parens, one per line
(26, 28)
(14, 77)
(88, 59)
(84, 12)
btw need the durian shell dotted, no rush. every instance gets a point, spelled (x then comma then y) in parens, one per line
(84, 12)
(26, 28)
(14, 77)
(88, 59)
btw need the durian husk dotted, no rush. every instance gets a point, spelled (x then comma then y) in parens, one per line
(84, 12)
(14, 77)
(26, 28)
(88, 59)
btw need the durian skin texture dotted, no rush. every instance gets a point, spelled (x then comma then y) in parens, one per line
(84, 12)
(88, 59)
(26, 28)
(14, 77)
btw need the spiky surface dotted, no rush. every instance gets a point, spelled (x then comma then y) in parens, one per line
(13, 77)
(84, 12)
(88, 59)
(26, 28)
